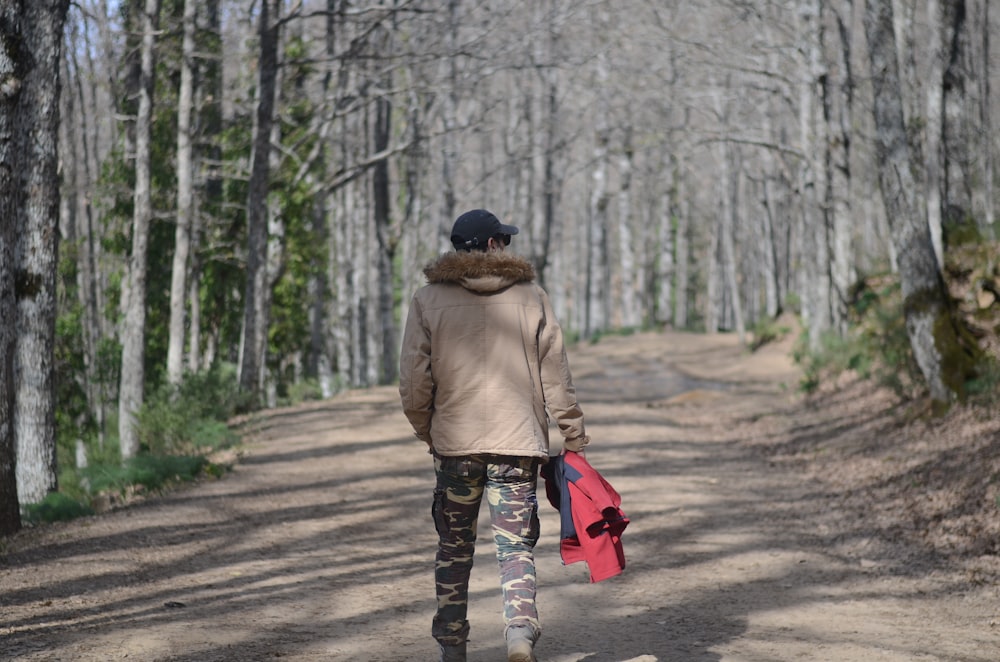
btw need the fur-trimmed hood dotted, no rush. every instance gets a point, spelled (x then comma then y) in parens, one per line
(482, 364)
(480, 272)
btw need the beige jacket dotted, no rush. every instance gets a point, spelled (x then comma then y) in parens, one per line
(483, 358)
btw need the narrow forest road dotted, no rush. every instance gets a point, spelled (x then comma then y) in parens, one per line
(319, 545)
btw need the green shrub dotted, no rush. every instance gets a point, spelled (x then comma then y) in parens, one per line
(985, 387)
(835, 355)
(303, 391)
(57, 507)
(151, 471)
(876, 345)
(192, 415)
(767, 330)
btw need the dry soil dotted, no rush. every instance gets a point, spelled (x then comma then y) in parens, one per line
(765, 526)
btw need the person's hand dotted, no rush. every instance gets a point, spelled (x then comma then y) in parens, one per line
(576, 445)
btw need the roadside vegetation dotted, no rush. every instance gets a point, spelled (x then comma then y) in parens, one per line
(876, 346)
(184, 436)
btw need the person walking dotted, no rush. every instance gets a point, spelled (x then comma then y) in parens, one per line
(482, 367)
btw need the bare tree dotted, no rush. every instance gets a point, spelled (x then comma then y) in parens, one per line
(185, 198)
(11, 36)
(133, 372)
(36, 249)
(838, 97)
(386, 232)
(256, 301)
(967, 169)
(83, 142)
(943, 361)
(598, 275)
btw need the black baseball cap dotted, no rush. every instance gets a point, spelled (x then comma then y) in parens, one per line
(474, 228)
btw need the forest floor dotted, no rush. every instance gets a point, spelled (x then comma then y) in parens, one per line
(766, 525)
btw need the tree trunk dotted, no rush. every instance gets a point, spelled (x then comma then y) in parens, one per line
(185, 199)
(552, 172)
(929, 323)
(769, 268)
(713, 288)
(729, 257)
(130, 394)
(935, 125)
(449, 120)
(88, 274)
(36, 222)
(630, 314)
(387, 239)
(837, 107)
(256, 315)
(812, 183)
(11, 71)
(597, 290)
(208, 103)
(967, 165)
(664, 272)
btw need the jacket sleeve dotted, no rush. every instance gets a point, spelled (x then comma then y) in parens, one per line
(557, 383)
(416, 385)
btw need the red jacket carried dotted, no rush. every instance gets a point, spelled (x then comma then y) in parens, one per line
(591, 521)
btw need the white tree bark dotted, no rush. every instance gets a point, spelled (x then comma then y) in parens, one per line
(769, 268)
(130, 395)
(967, 166)
(185, 200)
(683, 262)
(837, 103)
(449, 119)
(597, 248)
(935, 124)
(812, 189)
(630, 313)
(928, 324)
(665, 272)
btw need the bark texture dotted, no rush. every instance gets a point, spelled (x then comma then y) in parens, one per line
(256, 314)
(10, 90)
(929, 324)
(36, 250)
(185, 200)
(133, 372)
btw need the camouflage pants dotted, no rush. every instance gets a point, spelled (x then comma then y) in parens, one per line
(509, 484)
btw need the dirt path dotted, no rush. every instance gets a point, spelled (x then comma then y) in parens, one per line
(319, 545)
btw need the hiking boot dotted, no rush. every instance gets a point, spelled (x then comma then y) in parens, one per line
(520, 643)
(454, 653)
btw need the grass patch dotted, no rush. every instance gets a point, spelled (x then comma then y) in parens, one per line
(875, 346)
(57, 507)
(151, 472)
(767, 330)
(178, 429)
